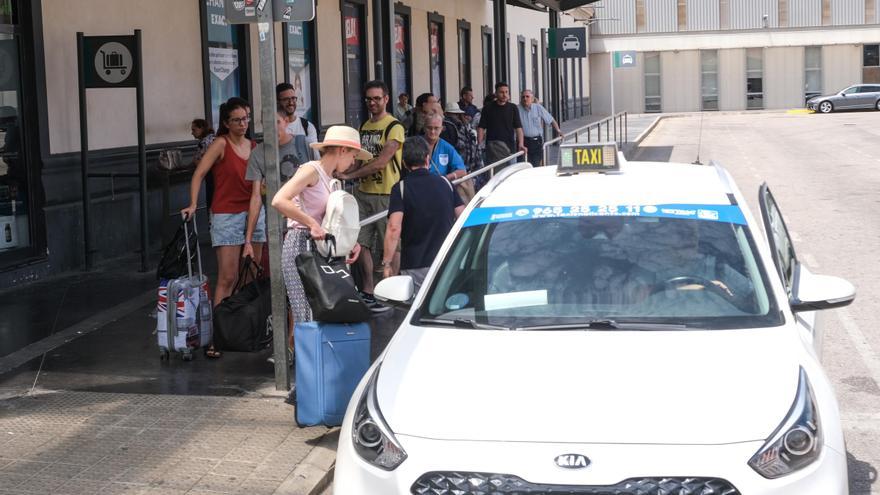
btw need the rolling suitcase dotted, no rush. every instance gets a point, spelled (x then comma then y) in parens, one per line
(331, 359)
(184, 315)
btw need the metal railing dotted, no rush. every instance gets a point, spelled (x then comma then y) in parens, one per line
(488, 168)
(615, 127)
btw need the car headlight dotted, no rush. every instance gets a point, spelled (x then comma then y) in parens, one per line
(373, 439)
(797, 442)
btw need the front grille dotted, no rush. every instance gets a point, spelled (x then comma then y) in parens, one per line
(462, 483)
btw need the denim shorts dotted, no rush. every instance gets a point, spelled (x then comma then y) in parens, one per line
(227, 229)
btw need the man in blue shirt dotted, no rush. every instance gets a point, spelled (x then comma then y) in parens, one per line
(445, 160)
(534, 117)
(422, 209)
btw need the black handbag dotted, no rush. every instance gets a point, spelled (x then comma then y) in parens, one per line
(243, 321)
(329, 287)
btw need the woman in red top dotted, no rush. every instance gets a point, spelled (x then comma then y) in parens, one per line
(227, 159)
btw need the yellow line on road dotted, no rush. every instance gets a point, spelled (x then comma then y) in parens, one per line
(800, 111)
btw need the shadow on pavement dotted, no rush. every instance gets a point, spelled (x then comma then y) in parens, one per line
(861, 474)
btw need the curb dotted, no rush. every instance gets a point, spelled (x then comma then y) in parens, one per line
(315, 472)
(648, 130)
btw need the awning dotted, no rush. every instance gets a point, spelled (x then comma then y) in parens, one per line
(542, 5)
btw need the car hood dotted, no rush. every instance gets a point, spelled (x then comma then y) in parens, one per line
(684, 387)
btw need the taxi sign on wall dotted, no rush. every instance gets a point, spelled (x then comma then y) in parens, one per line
(587, 157)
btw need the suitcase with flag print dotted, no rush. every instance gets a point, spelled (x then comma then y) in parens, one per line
(184, 315)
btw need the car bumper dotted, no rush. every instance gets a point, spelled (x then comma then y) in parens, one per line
(610, 465)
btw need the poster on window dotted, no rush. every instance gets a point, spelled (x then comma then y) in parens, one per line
(299, 66)
(401, 63)
(435, 39)
(354, 64)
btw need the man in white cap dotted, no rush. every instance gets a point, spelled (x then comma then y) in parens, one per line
(463, 138)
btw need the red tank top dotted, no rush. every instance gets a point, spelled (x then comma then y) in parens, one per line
(232, 193)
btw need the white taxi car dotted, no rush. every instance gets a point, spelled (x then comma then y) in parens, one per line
(631, 332)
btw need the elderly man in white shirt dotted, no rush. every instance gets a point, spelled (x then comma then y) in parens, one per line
(534, 117)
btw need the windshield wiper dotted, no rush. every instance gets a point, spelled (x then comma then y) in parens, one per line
(463, 323)
(608, 324)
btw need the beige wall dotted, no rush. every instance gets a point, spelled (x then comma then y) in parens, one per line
(784, 77)
(629, 85)
(732, 79)
(680, 81)
(841, 67)
(329, 28)
(173, 85)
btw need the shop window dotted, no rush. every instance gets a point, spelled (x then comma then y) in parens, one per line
(653, 103)
(535, 63)
(488, 80)
(871, 64)
(812, 71)
(301, 67)
(402, 51)
(464, 54)
(709, 79)
(15, 208)
(437, 56)
(521, 61)
(354, 61)
(227, 59)
(754, 78)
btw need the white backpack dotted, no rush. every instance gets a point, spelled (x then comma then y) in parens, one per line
(342, 220)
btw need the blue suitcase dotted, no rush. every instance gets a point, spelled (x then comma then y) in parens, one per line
(331, 359)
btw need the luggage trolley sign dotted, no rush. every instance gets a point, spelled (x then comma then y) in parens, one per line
(587, 157)
(109, 62)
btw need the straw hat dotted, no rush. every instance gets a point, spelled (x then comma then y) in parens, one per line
(452, 107)
(347, 137)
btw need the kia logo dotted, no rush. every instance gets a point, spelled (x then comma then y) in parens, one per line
(572, 461)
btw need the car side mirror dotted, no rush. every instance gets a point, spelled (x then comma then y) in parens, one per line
(397, 291)
(817, 292)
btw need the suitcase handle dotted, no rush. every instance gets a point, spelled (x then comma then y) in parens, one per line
(186, 220)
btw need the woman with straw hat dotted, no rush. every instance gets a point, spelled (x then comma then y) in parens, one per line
(303, 200)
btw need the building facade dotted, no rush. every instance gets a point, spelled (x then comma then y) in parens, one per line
(192, 61)
(694, 55)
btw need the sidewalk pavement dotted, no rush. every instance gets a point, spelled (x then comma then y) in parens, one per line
(87, 407)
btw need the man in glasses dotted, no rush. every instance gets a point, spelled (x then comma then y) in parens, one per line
(382, 135)
(533, 117)
(297, 126)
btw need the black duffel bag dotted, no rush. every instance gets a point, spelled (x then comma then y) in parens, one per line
(242, 321)
(329, 287)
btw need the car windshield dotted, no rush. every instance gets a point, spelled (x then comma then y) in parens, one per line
(601, 271)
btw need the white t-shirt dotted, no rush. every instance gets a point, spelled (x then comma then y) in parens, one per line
(295, 128)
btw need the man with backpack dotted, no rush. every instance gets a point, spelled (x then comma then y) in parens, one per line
(303, 131)
(423, 209)
(382, 135)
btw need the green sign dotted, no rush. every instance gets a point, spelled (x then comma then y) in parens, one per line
(587, 157)
(567, 42)
(624, 59)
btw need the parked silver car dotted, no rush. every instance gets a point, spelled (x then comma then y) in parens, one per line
(853, 97)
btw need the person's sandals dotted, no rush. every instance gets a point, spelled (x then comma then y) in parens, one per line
(212, 353)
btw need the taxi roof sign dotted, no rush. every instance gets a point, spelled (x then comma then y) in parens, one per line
(587, 157)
